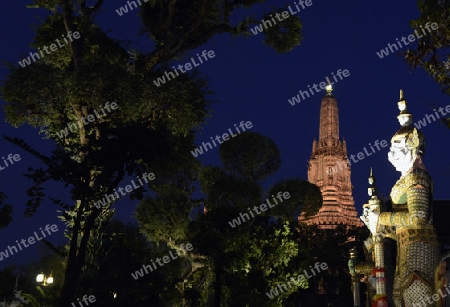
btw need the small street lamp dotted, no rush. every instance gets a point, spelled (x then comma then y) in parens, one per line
(45, 280)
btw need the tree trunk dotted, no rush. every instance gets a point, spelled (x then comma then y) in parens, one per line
(70, 284)
(76, 258)
(72, 271)
(218, 283)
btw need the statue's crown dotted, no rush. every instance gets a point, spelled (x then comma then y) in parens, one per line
(404, 118)
(413, 137)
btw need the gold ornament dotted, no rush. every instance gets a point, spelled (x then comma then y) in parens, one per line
(413, 140)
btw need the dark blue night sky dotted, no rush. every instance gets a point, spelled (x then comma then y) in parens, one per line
(253, 83)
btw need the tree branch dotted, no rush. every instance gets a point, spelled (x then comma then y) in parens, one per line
(27, 148)
(53, 248)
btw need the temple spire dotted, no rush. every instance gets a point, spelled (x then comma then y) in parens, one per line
(329, 169)
(329, 118)
(329, 88)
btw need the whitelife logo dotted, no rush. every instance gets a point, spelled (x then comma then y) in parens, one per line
(10, 158)
(187, 66)
(165, 260)
(411, 38)
(123, 9)
(27, 61)
(434, 298)
(263, 207)
(422, 123)
(284, 15)
(301, 279)
(225, 137)
(109, 198)
(85, 299)
(322, 85)
(91, 118)
(11, 250)
(428, 119)
(360, 156)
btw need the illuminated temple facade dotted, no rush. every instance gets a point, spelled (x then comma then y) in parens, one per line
(329, 169)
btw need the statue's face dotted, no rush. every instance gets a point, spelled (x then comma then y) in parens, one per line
(400, 155)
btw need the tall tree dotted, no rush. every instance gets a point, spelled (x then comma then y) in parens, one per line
(250, 258)
(152, 129)
(143, 136)
(432, 51)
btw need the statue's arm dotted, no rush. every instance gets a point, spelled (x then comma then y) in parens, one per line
(417, 216)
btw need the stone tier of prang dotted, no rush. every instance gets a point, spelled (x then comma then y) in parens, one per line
(330, 171)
